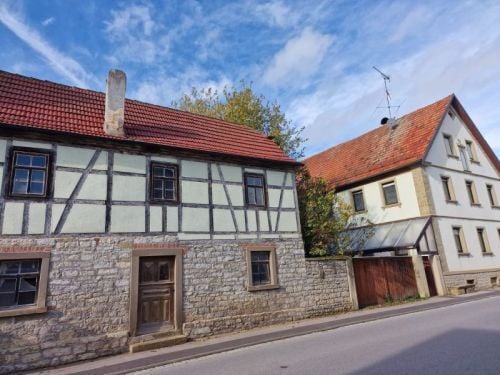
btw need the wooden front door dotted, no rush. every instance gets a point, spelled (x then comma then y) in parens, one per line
(430, 276)
(156, 294)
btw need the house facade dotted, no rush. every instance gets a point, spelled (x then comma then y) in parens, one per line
(429, 182)
(124, 223)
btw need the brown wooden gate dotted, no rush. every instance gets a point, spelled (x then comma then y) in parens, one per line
(430, 276)
(380, 279)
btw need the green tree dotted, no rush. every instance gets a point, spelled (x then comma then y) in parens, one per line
(325, 218)
(242, 105)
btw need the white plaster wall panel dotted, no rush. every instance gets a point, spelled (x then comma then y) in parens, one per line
(101, 164)
(236, 194)
(247, 236)
(263, 221)
(3, 149)
(254, 170)
(36, 222)
(164, 159)
(273, 196)
(155, 219)
(57, 210)
(32, 144)
(288, 199)
(13, 218)
(194, 192)
(218, 194)
(223, 221)
(288, 222)
(1, 180)
(240, 219)
(74, 157)
(275, 178)
(252, 220)
(195, 219)
(128, 219)
(463, 208)
(231, 173)
(289, 179)
(172, 219)
(86, 218)
(458, 130)
(129, 188)
(215, 172)
(194, 169)
(477, 260)
(274, 216)
(65, 183)
(270, 235)
(129, 163)
(94, 187)
(193, 236)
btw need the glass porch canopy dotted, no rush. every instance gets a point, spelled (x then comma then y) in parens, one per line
(406, 234)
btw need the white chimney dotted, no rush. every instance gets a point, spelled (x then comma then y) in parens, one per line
(114, 112)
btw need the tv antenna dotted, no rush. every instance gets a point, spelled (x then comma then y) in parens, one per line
(386, 79)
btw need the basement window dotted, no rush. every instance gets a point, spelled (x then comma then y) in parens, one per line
(262, 268)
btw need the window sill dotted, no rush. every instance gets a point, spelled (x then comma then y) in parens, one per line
(488, 254)
(464, 255)
(362, 212)
(475, 204)
(452, 201)
(475, 162)
(495, 207)
(453, 156)
(392, 205)
(262, 287)
(17, 311)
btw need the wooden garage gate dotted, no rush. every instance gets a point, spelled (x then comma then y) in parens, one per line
(379, 279)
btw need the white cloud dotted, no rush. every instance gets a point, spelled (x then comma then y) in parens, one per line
(64, 65)
(131, 30)
(298, 59)
(46, 22)
(276, 13)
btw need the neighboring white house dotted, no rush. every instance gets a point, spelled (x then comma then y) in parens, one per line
(432, 163)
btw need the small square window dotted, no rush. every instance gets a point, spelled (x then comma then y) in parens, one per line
(390, 193)
(261, 268)
(255, 190)
(358, 201)
(29, 173)
(164, 183)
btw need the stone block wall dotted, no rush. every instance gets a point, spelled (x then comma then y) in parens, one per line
(481, 278)
(89, 290)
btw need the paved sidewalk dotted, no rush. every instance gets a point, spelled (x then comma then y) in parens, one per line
(125, 363)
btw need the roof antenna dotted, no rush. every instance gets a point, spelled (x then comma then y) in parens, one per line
(386, 79)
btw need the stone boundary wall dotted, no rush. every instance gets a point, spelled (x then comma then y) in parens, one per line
(89, 290)
(482, 278)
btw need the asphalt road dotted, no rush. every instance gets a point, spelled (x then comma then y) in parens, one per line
(459, 339)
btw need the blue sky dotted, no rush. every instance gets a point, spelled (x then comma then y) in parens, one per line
(314, 57)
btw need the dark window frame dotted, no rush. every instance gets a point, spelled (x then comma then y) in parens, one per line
(387, 184)
(272, 268)
(264, 189)
(48, 169)
(353, 193)
(152, 199)
(22, 275)
(459, 239)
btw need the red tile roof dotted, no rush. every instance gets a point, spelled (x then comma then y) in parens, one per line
(32, 103)
(384, 149)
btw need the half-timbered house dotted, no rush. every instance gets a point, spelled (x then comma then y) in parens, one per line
(126, 224)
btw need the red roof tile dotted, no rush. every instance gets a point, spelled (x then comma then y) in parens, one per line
(384, 149)
(29, 102)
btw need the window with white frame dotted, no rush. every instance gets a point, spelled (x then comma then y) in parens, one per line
(458, 235)
(449, 193)
(483, 240)
(390, 193)
(471, 150)
(29, 173)
(492, 195)
(448, 144)
(472, 192)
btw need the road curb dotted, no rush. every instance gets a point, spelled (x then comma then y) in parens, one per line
(140, 364)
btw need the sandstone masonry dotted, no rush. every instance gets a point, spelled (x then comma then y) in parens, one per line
(89, 291)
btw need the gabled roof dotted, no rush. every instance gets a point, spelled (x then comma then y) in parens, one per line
(384, 149)
(32, 103)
